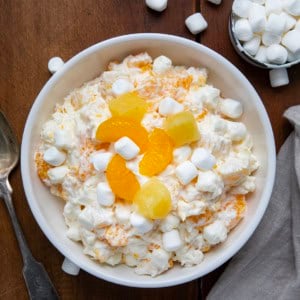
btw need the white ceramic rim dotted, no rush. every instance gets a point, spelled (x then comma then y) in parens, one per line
(230, 251)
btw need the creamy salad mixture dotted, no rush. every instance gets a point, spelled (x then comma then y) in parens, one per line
(153, 164)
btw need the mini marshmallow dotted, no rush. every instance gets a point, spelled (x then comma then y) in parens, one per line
(215, 232)
(261, 54)
(168, 223)
(186, 172)
(122, 213)
(252, 45)
(289, 21)
(208, 181)
(86, 218)
(231, 108)
(242, 30)
(161, 64)
(237, 131)
(217, 2)
(257, 17)
(219, 125)
(241, 8)
(277, 54)
(54, 157)
(100, 160)
(140, 223)
(279, 77)
(297, 26)
(127, 148)
(56, 175)
(121, 86)
(276, 24)
(169, 106)
(291, 40)
(269, 38)
(196, 23)
(158, 5)
(292, 7)
(105, 196)
(273, 6)
(203, 159)
(54, 64)
(73, 233)
(171, 240)
(182, 154)
(63, 139)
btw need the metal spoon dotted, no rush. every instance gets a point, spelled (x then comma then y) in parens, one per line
(37, 280)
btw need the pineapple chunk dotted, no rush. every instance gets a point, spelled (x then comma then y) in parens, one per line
(153, 200)
(182, 128)
(129, 105)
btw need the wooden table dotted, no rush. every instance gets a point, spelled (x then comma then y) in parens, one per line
(32, 32)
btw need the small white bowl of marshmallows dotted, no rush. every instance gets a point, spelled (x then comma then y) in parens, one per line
(267, 34)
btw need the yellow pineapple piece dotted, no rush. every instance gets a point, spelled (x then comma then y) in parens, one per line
(182, 128)
(129, 105)
(153, 200)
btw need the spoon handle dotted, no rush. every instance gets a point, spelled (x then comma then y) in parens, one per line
(38, 283)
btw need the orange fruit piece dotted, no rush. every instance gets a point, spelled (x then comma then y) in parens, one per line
(158, 155)
(153, 200)
(182, 128)
(116, 127)
(129, 105)
(121, 180)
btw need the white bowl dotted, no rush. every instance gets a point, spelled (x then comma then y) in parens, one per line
(87, 65)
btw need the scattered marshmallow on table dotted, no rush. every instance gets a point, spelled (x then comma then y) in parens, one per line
(203, 159)
(54, 157)
(121, 86)
(161, 64)
(100, 160)
(196, 23)
(105, 196)
(171, 240)
(158, 5)
(243, 30)
(231, 108)
(169, 106)
(252, 45)
(277, 54)
(56, 175)
(140, 223)
(217, 2)
(279, 77)
(186, 172)
(241, 8)
(126, 148)
(54, 64)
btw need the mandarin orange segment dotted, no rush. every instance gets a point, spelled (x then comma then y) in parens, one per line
(153, 200)
(129, 105)
(158, 155)
(121, 180)
(182, 128)
(116, 127)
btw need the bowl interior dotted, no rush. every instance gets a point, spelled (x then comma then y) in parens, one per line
(90, 63)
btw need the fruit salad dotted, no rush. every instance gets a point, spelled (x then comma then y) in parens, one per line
(153, 163)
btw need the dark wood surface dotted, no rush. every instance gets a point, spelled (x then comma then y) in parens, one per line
(32, 32)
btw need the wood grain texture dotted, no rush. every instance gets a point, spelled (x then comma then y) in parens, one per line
(31, 33)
